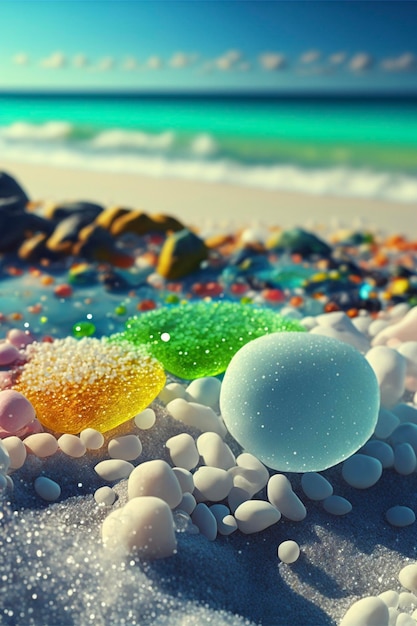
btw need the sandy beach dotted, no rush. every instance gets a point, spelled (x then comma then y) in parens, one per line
(198, 202)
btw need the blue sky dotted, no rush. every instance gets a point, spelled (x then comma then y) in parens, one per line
(196, 44)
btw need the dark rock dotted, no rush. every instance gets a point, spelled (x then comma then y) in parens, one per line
(9, 187)
(181, 254)
(299, 241)
(86, 212)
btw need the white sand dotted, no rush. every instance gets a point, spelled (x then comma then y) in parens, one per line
(195, 202)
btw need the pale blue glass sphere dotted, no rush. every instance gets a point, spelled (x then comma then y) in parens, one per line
(299, 402)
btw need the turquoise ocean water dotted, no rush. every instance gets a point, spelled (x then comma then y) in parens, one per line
(363, 147)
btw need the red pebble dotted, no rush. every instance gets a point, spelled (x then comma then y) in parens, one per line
(238, 288)
(63, 291)
(273, 295)
(146, 305)
(207, 289)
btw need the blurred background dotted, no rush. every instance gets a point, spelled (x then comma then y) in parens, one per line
(311, 97)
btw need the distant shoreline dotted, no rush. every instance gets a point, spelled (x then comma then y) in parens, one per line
(199, 203)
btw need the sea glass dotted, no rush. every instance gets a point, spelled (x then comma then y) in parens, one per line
(300, 402)
(88, 383)
(199, 339)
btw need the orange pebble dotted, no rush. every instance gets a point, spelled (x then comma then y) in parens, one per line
(35, 308)
(331, 307)
(352, 312)
(146, 305)
(63, 291)
(16, 316)
(296, 301)
(47, 280)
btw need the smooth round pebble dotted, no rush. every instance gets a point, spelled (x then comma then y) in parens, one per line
(390, 597)
(380, 450)
(15, 411)
(390, 369)
(299, 402)
(253, 516)
(172, 391)
(407, 600)
(386, 424)
(400, 516)
(281, 495)
(41, 444)
(212, 483)
(92, 438)
(113, 469)
(155, 478)
(205, 521)
(105, 496)
(47, 489)
(196, 415)
(8, 353)
(205, 391)
(5, 459)
(126, 447)
(337, 505)
(249, 474)
(288, 551)
(185, 479)
(315, 486)
(183, 451)
(404, 619)
(370, 611)
(71, 445)
(361, 471)
(146, 419)
(188, 503)
(19, 338)
(408, 577)
(405, 461)
(144, 526)
(226, 523)
(214, 451)
(16, 450)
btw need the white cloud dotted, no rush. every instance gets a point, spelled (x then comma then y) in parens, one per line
(154, 63)
(130, 64)
(404, 63)
(228, 60)
(56, 60)
(181, 59)
(361, 62)
(80, 60)
(21, 58)
(272, 61)
(337, 58)
(310, 56)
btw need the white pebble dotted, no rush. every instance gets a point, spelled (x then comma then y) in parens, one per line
(288, 551)
(183, 451)
(41, 444)
(188, 503)
(337, 505)
(205, 391)
(71, 445)
(146, 419)
(197, 416)
(236, 496)
(281, 495)
(379, 450)
(16, 450)
(370, 611)
(405, 461)
(185, 479)
(400, 516)
(403, 619)
(205, 521)
(254, 516)
(105, 496)
(113, 469)
(386, 424)
(407, 600)
(405, 329)
(92, 438)
(172, 391)
(155, 478)
(390, 598)
(249, 474)
(215, 452)
(126, 447)
(408, 577)
(144, 526)
(226, 523)
(390, 369)
(361, 471)
(339, 326)
(47, 489)
(212, 483)
(315, 486)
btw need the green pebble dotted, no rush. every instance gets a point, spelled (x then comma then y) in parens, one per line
(120, 310)
(172, 299)
(83, 329)
(194, 340)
